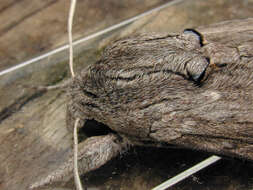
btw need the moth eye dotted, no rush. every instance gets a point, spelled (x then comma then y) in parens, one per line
(193, 36)
(196, 68)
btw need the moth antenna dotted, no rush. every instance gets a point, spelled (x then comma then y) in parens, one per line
(78, 183)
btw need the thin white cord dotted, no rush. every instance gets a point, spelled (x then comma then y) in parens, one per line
(187, 173)
(70, 24)
(92, 36)
(76, 173)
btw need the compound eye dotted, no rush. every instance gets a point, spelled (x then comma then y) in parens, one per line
(193, 38)
(196, 68)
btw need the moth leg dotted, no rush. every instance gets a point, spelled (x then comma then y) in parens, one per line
(93, 153)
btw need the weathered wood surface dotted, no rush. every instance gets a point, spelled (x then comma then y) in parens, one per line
(29, 28)
(34, 140)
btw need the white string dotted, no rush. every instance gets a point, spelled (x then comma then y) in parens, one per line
(187, 173)
(76, 173)
(92, 36)
(70, 25)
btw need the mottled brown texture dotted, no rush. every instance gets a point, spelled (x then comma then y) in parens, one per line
(94, 152)
(144, 87)
(178, 89)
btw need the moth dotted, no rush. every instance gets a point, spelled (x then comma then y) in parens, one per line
(192, 89)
